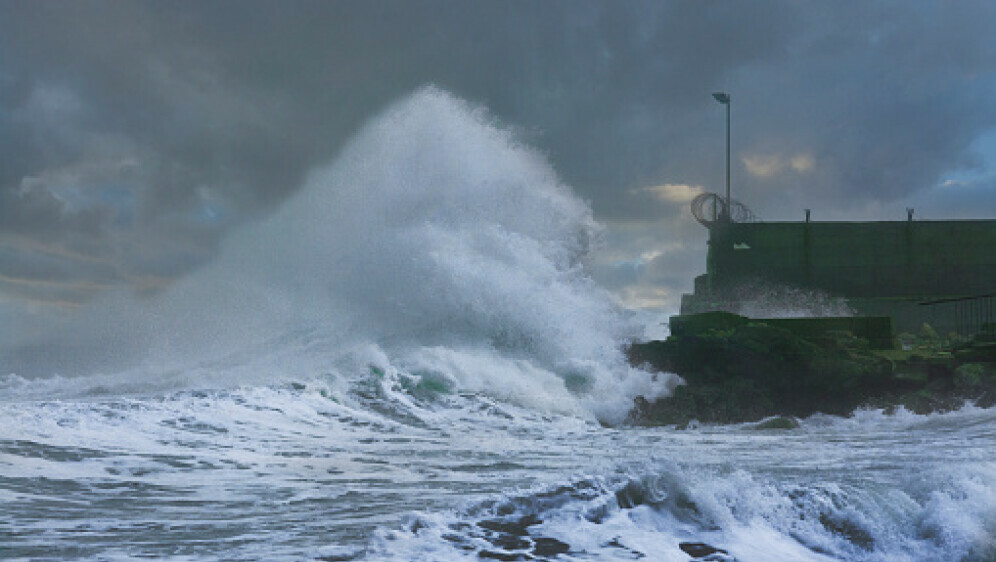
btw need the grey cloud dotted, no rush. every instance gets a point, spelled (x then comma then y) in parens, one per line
(956, 199)
(885, 97)
(210, 114)
(33, 206)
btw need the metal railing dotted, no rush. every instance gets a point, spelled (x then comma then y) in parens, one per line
(972, 314)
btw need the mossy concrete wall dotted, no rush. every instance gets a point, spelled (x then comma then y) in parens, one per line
(872, 259)
(882, 268)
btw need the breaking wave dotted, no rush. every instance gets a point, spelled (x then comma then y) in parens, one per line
(671, 513)
(436, 243)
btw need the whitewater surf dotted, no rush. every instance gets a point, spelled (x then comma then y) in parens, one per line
(409, 361)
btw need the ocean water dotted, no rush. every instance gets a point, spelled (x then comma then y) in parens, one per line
(408, 361)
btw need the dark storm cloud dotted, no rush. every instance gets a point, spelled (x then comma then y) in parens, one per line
(250, 94)
(884, 98)
(140, 132)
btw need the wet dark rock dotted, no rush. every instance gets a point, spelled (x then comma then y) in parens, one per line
(510, 542)
(700, 549)
(458, 540)
(515, 526)
(546, 546)
(506, 556)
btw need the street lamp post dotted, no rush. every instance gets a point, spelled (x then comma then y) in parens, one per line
(724, 98)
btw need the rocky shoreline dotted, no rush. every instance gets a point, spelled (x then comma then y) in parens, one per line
(740, 370)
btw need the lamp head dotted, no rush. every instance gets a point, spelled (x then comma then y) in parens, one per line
(722, 97)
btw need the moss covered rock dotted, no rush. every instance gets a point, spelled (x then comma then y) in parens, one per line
(741, 370)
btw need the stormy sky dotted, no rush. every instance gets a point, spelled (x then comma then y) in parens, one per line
(135, 135)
